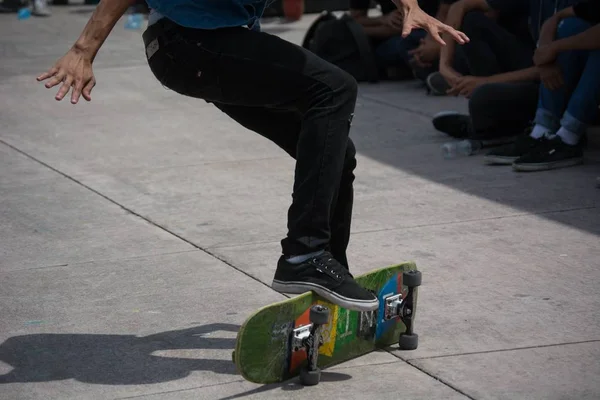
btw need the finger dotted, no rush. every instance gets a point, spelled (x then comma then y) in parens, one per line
(64, 89)
(414, 51)
(76, 92)
(435, 34)
(456, 35)
(407, 28)
(56, 79)
(47, 74)
(87, 90)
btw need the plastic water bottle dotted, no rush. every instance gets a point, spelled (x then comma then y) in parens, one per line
(134, 21)
(23, 13)
(463, 148)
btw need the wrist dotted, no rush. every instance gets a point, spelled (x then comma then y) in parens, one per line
(85, 49)
(560, 45)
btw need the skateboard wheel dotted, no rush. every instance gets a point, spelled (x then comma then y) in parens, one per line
(411, 278)
(319, 315)
(310, 378)
(408, 341)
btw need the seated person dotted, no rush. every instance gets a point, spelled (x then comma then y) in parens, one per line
(568, 57)
(390, 48)
(503, 83)
(425, 57)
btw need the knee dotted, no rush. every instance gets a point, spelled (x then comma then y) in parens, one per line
(570, 27)
(348, 86)
(473, 21)
(481, 98)
(341, 88)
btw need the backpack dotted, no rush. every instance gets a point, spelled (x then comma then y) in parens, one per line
(342, 42)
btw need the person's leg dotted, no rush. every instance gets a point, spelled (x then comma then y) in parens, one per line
(568, 111)
(239, 67)
(496, 111)
(505, 110)
(492, 49)
(283, 128)
(553, 103)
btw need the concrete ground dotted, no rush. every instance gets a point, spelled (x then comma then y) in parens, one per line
(138, 231)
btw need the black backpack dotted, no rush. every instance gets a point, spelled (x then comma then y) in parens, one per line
(342, 42)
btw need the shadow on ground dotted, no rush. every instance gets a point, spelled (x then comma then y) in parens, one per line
(291, 385)
(113, 359)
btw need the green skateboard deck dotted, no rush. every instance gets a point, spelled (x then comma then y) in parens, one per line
(266, 351)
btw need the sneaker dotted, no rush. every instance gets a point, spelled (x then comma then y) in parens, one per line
(453, 124)
(550, 154)
(437, 84)
(326, 277)
(507, 155)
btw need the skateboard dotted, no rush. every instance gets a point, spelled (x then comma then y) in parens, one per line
(304, 334)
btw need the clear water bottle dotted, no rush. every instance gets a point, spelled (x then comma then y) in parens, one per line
(463, 148)
(134, 21)
(24, 13)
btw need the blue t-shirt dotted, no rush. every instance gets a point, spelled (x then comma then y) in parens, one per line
(209, 14)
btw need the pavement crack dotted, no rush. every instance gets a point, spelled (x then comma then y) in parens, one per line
(437, 378)
(132, 212)
(501, 350)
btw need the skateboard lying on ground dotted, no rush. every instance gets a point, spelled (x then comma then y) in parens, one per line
(302, 335)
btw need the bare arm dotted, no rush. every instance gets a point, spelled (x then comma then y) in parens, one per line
(454, 18)
(549, 48)
(74, 69)
(522, 75)
(588, 40)
(548, 31)
(99, 26)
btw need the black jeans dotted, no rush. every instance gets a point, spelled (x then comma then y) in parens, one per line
(492, 49)
(502, 109)
(286, 94)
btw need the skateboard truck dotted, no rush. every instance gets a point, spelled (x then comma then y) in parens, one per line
(397, 306)
(309, 337)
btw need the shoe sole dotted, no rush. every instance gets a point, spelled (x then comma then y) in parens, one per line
(335, 298)
(499, 160)
(547, 166)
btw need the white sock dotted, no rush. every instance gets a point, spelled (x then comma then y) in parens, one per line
(568, 137)
(539, 131)
(304, 257)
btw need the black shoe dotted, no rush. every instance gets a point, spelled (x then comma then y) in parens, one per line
(550, 154)
(326, 277)
(437, 84)
(506, 155)
(453, 124)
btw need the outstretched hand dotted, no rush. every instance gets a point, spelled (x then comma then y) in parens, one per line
(74, 71)
(415, 18)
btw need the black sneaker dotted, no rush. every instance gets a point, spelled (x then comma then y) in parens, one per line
(326, 277)
(453, 124)
(437, 84)
(550, 154)
(506, 155)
